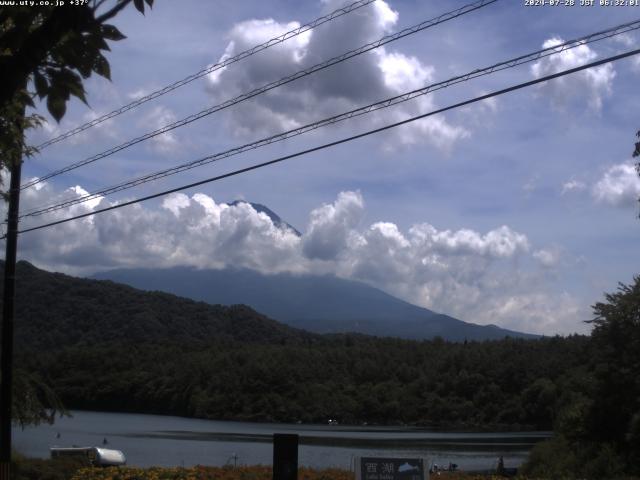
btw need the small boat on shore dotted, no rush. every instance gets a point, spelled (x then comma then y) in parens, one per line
(103, 457)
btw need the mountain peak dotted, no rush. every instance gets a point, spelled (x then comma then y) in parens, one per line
(275, 218)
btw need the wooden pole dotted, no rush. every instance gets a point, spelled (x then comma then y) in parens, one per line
(285, 456)
(8, 309)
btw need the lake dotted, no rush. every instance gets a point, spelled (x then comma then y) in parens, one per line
(174, 441)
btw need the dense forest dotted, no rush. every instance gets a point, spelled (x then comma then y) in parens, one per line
(597, 431)
(106, 346)
(513, 383)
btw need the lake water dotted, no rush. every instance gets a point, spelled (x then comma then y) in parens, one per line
(173, 441)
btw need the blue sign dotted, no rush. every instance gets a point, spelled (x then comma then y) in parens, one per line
(379, 468)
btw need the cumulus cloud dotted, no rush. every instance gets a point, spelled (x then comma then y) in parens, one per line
(594, 83)
(331, 225)
(619, 186)
(337, 89)
(472, 275)
(184, 230)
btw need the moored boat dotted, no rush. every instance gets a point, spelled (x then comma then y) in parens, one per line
(104, 457)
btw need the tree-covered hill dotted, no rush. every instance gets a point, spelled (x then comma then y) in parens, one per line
(55, 310)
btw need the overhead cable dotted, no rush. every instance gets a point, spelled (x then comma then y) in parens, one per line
(339, 142)
(205, 71)
(270, 86)
(338, 118)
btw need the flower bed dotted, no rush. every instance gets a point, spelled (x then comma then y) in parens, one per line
(230, 473)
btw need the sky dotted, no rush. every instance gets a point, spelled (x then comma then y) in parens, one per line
(520, 210)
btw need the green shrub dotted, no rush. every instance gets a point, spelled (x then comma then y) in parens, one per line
(23, 468)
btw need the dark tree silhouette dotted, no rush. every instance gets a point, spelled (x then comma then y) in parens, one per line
(51, 49)
(56, 47)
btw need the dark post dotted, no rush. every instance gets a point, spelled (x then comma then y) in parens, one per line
(6, 358)
(285, 456)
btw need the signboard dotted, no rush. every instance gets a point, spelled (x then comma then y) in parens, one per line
(380, 468)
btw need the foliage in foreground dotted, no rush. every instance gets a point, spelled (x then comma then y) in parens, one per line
(204, 473)
(598, 430)
(70, 469)
(46, 51)
(230, 473)
(23, 468)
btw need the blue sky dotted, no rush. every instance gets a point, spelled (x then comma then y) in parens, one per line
(519, 211)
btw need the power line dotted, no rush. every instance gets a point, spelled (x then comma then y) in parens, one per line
(341, 141)
(270, 86)
(205, 71)
(335, 119)
(339, 118)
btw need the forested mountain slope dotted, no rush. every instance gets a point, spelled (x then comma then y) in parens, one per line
(54, 310)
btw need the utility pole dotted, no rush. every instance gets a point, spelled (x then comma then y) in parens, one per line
(8, 309)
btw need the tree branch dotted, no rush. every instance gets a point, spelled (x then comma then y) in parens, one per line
(113, 12)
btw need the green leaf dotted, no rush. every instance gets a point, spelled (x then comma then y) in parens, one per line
(56, 105)
(93, 43)
(139, 4)
(111, 33)
(78, 92)
(99, 42)
(73, 84)
(85, 65)
(41, 84)
(101, 67)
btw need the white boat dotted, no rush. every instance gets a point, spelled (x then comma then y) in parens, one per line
(104, 457)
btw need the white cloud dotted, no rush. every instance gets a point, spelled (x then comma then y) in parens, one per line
(490, 104)
(330, 226)
(542, 312)
(619, 186)
(549, 257)
(472, 275)
(594, 83)
(334, 90)
(625, 39)
(81, 192)
(140, 92)
(572, 185)
(387, 17)
(402, 73)
(175, 202)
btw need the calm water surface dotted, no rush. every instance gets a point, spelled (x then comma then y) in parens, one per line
(172, 441)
